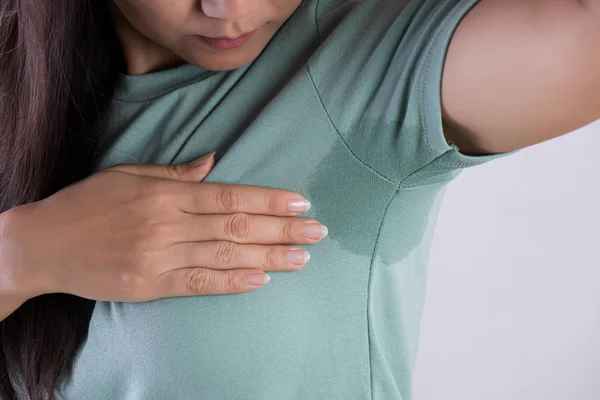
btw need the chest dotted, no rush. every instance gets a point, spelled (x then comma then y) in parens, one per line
(301, 322)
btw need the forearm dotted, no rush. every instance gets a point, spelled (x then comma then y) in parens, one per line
(8, 305)
(12, 296)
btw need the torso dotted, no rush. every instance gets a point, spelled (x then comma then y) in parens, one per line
(345, 326)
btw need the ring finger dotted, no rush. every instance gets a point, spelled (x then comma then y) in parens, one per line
(229, 255)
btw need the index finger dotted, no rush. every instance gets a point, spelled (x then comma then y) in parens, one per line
(220, 198)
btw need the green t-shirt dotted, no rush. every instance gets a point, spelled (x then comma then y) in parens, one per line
(343, 106)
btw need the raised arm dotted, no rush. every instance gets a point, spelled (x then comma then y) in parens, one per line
(519, 72)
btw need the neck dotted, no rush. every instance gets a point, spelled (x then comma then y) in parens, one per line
(141, 54)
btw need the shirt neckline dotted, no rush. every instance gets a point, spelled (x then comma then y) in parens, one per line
(136, 88)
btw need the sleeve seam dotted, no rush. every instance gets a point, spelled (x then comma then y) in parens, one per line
(425, 121)
(399, 183)
(423, 81)
(338, 132)
(419, 170)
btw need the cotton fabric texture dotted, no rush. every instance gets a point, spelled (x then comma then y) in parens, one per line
(343, 106)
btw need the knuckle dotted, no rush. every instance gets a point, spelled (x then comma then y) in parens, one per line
(174, 171)
(232, 283)
(287, 230)
(229, 200)
(170, 171)
(271, 203)
(198, 281)
(272, 258)
(155, 191)
(227, 254)
(237, 226)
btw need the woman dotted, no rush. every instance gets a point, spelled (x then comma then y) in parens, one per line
(351, 104)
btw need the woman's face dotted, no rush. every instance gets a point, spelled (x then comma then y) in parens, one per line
(158, 34)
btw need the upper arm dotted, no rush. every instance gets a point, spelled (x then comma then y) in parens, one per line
(521, 72)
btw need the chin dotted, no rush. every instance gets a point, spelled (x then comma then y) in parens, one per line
(223, 61)
(219, 64)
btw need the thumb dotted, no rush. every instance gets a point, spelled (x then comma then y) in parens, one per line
(194, 171)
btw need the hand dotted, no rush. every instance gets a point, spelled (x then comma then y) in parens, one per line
(136, 233)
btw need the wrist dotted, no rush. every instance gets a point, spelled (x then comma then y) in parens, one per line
(17, 280)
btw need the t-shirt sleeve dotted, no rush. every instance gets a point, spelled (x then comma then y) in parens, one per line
(378, 74)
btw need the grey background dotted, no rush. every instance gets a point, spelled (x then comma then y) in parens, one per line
(513, 303)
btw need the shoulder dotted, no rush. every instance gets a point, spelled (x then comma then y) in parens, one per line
(521, 72)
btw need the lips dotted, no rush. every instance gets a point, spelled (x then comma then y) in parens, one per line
(229, 38)
(224, 43)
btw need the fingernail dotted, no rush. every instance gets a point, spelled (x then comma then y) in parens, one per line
(258, 279)
(298, 256)
(315, 231)
(202, 160)
(299, 205)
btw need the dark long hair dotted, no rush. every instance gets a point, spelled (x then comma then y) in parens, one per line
(59, 61)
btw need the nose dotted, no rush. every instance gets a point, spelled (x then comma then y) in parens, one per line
(229, 10)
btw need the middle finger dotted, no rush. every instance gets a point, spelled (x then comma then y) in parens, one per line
(228, 255)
